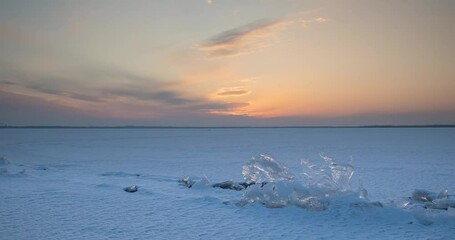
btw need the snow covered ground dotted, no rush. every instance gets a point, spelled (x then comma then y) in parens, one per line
(68, 183)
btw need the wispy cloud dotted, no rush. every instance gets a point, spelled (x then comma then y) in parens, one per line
(242, 39)
(175, 101)
(52, 88)
(132, 90)
(232, 92)
(311, 21)
(250, 37)
(65, 93)
(166, 97)
(232, 108)
(20, 109)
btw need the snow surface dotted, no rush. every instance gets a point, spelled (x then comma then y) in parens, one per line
(68, 183)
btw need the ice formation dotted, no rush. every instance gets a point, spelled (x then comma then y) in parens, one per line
(431, 200)
(275, 186)
(271, 183)
(264, 168)
(320, 184)
(328, 175)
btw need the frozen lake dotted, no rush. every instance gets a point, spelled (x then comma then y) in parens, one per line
(67, 183)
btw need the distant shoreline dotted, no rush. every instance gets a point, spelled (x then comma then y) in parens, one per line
(221, 127)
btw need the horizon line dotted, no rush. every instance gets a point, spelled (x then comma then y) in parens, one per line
(207, 127)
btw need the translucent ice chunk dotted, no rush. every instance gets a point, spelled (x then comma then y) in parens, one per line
(312, 203)
(264, 168)
(363, 193)
(275, 186)
(443, 194)
(328, 175)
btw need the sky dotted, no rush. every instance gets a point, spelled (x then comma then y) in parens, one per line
(227, 62)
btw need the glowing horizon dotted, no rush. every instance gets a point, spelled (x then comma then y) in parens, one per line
(224, 63)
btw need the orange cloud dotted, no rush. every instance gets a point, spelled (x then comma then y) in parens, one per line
(234, 108)
(241, 40)
(232, 92)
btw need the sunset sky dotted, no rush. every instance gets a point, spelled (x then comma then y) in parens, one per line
(227, 62)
